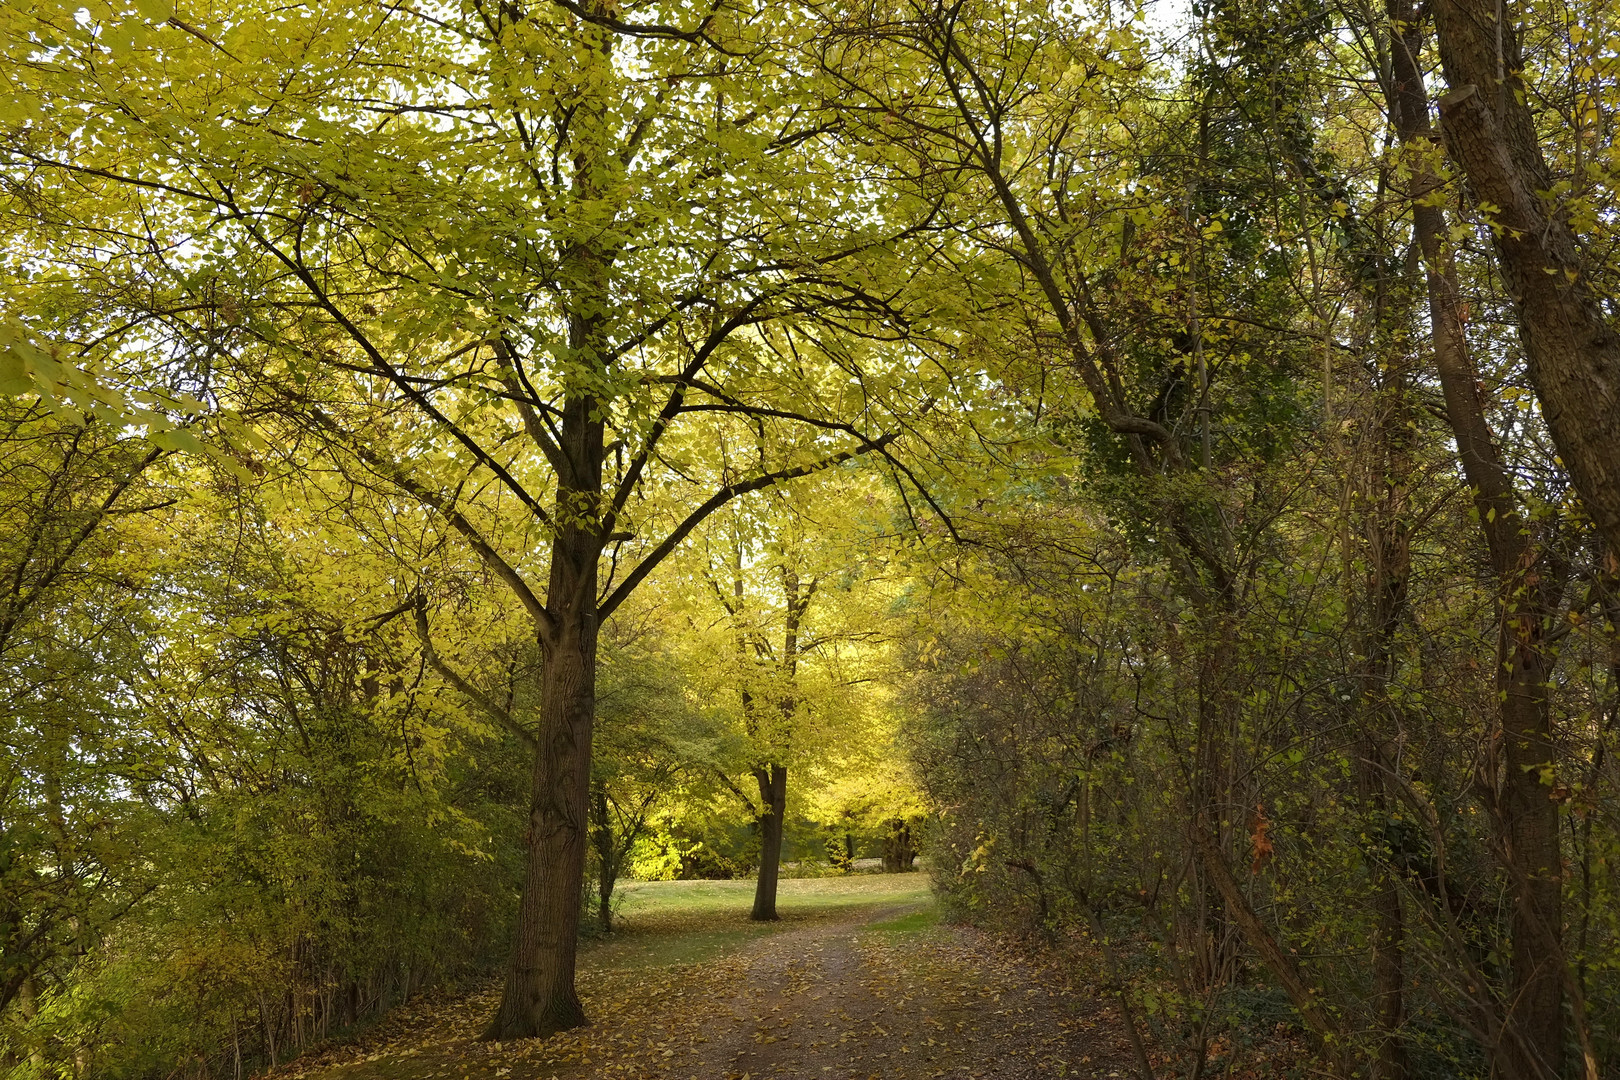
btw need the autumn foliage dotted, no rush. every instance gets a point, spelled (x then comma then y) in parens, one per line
(458, 456)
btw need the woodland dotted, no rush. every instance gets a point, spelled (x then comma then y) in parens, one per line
(1161, 464)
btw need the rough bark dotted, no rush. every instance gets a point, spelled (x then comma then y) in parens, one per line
(539, 997)
(772, 781)
(1573, 352)
(1531, 1042)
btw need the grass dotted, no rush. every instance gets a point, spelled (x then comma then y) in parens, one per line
(794, 896)
(670, 923)
(914, 922)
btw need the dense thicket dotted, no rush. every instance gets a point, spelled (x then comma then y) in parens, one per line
(234, 822)
(457, 453)
(1304, 705)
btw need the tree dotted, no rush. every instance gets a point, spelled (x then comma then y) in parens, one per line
(1519, 538)
(69, 621)
(786, 587)
(1255, 169)
(770, 701)
(1131, 472)
(333, 831)
(992, 95)
(1572, 348)
(503, 254)
(652, 742)
(873, 794)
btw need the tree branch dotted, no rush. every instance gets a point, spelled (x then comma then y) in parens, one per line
(397, 476)
(501, 716)
(719, 499)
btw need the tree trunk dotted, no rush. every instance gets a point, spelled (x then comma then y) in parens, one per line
(28, 1006)
(1380, 478)
(773, 800)
(772, 778)
(607, 864)
(899, 853)
(1389, 979)
(539, 998)
(1210, 787)
(1573, 353)
(1388, 561)
(1531, 1043)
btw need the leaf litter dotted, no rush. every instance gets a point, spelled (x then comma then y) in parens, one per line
(859, 993)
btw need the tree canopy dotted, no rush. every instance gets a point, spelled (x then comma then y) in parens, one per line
(458, 454)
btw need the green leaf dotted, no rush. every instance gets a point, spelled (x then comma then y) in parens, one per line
(155, 10)
(179, 439)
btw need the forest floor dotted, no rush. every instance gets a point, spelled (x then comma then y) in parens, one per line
(860, 979)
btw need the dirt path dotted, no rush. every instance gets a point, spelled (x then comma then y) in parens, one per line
(852, 1000)
(875, 993)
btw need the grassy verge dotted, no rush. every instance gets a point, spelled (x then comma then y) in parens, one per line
(669, 923)
(794, 897)
(914, 922)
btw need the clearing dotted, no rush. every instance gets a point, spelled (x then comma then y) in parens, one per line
(859, 980)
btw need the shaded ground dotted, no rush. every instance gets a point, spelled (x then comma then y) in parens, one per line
(859, 980)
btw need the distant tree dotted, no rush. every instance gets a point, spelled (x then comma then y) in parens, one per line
(653, 742)
(796, 619)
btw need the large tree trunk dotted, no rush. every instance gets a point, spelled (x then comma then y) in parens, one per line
(899, 852)
(1574, 354)
(772, 781)
(539, 997)
(1531, 1041)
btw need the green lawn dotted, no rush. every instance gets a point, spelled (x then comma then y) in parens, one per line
(912, 922)
(794, 896)
(667, 923)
